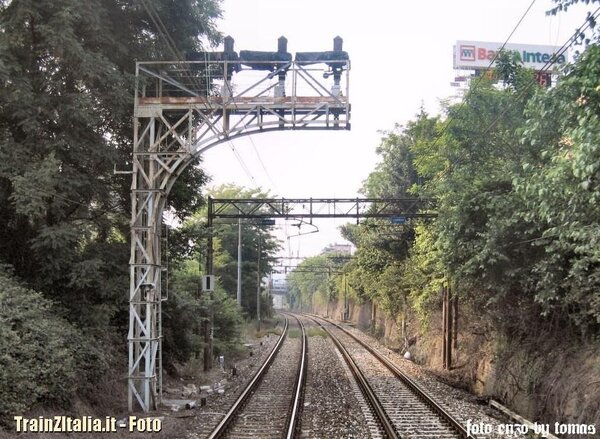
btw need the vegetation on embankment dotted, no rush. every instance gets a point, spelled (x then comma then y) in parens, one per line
(541, 376)
(67, 73)
(515, 172)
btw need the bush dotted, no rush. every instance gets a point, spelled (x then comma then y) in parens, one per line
(187, 309)
(38, 351)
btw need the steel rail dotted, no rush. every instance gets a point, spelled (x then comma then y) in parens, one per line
(222, 427)
(364, 386)
(299, 387)
(418, 390)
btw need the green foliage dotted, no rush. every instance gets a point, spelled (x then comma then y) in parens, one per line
(378, 271)
(226, 248)
(183, 315)
(592, 33)
(515, 171)
(316, 279)
(316, 332)
(475, 239)
(43, 358)
(186, 310)
(423, 273)
(395, 174)
(562, 191)
(294, 333)
(66, 90)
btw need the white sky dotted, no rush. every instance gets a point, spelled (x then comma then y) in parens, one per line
(401, 55)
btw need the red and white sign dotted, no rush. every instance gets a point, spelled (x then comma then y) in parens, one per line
(477, 55)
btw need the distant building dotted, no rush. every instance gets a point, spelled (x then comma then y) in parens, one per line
(278, 289)
(279, 301)
(339, 249)
(278, 286)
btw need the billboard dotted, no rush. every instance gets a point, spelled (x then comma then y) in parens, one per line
(477, 55)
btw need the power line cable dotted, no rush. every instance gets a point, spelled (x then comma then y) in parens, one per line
(164, 33)
(568, 43)
(173, 48)
(472, 89)
(235, 152)
(232, 98)
(242, 164)
(262, 164)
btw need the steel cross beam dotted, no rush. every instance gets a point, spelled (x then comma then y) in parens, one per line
(182, 109)
(317, 270)
(321, 208)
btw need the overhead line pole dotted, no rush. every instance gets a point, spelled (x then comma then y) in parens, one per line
(239, 264)
(258, 283)
(208, 335)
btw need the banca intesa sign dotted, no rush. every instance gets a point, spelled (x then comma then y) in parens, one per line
(477, 55)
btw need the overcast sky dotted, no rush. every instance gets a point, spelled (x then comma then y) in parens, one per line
(401, 55)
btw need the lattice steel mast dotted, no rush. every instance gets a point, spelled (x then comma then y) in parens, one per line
(184, 108)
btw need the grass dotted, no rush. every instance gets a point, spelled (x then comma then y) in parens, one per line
(316, 332)
(310, 332)
(294, 333)
(263, 332)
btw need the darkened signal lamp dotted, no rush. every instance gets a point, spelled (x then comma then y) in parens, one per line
(338, 42)
(282, 49)
(228, 43)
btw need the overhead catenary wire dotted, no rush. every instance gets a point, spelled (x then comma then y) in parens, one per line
(230, 93)
(262, 164)
(164, 33)
(231, 145)
(242, 164)
(155, 17)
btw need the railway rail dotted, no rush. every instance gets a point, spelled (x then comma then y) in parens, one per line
(270, 404)
(402, 407)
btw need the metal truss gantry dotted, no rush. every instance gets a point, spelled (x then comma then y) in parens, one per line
(291, 208)
(297, 208)
(181, 110)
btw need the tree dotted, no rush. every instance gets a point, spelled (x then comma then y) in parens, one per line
(311, 277)
(588, 33)
(561, 189)
(66, 92)
(190, 241)
(65, 121)
(67, 88)
(514, 172)
(43, 358)
(186, 311)
(382, 248)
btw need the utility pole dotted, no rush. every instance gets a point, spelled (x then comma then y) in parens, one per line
(258, 283)
(239, 264)
(345, 298)
(208, 323)
(327, 293)
(447, 323)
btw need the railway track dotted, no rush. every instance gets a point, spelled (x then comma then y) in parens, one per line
(402, 407)
(269, 406)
